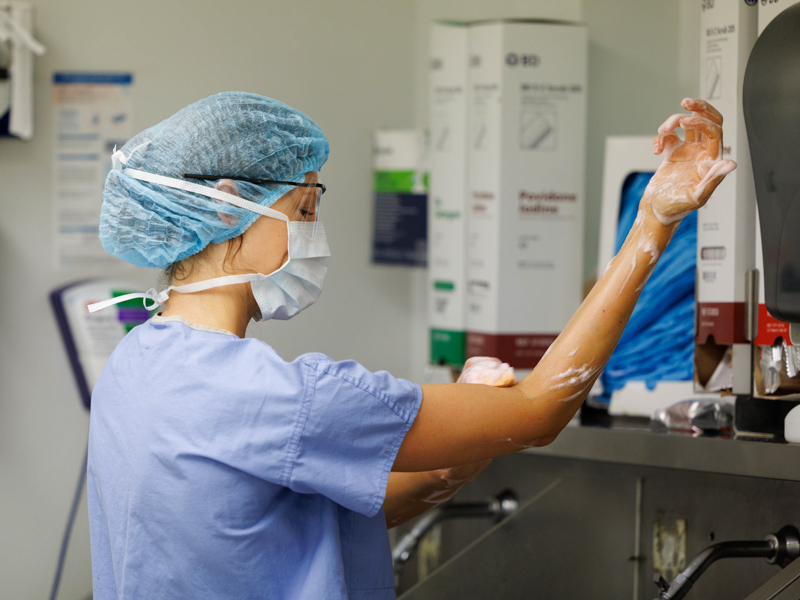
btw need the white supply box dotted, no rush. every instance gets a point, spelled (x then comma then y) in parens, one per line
(527, 148)
(447, 224)
(725, 227)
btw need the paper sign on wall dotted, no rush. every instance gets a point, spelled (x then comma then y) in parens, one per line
(400, 222)
(91, 115)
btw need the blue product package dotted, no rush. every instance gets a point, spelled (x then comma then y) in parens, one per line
(658, 342)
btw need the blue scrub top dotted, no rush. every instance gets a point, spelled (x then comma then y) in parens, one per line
(218, 470)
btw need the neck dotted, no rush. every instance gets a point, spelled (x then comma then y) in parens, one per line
(229, 307)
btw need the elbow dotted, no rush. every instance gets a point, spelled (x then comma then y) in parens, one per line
(553, 426)
(548, 436)
(545, 441)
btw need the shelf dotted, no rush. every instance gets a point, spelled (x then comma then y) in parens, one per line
(643, 447)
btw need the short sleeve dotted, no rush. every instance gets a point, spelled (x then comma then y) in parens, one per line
(351, 426)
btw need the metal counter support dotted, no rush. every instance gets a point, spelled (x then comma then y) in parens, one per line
(784, 586)
(627, 503)
(643, 447)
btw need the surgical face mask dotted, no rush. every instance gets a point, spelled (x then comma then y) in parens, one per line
(280, 295)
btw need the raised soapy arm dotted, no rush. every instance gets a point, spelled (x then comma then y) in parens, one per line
(458, 424)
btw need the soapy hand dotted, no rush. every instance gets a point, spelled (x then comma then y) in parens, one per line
(488, 371)
(478, 369)
(692, 168)
(454, 478)
(408, 495)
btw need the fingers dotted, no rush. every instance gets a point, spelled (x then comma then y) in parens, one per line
(702, 126)
(667, 138)
(467, 472)
(718, 171)
(479, 359)
(668, 127)
(665, 142)
(702, 109)
(488, 371)
(713, 178)
(711, 133)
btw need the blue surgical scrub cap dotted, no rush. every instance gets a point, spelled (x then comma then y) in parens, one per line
(232, 134)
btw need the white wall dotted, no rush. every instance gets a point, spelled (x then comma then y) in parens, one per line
(354, 66)
(642, 62)
(346, 63)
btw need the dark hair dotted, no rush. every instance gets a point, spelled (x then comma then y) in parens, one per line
(178, 271)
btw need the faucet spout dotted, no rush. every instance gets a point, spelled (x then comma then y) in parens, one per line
(778, 548)
(497, 507)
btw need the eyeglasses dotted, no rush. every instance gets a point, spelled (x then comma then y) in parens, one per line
(321, 186)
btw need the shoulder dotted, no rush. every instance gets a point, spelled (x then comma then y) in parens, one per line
(172, 354)
(331, 377)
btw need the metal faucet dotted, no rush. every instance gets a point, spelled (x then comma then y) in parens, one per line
(497, 507)
(778, 548)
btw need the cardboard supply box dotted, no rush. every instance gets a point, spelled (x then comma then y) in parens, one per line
(725, 228)
(527, 148)
(447, 223)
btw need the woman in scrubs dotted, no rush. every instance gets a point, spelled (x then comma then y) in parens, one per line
(219, 470)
